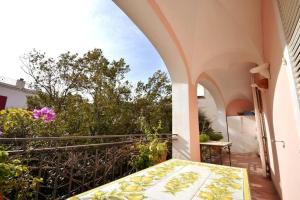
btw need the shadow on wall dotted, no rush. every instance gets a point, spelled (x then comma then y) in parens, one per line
(180, 148)
(273, 45)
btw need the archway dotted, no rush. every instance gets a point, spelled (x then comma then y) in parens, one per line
(212, 105)
(231, 115)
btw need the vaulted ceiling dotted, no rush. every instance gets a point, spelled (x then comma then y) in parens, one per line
(221, 38)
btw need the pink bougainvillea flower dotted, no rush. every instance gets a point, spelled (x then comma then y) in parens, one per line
(47, 114)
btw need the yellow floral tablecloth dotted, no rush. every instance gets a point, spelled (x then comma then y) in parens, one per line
(176, 179)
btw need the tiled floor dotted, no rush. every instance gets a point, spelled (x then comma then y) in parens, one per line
(261, 188)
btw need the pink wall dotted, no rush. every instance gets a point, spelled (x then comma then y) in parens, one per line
(237, 106)
(280, 110)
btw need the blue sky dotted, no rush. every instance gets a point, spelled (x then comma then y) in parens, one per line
(57, 26)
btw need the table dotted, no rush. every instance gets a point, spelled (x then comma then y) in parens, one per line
(176, 180)
(216, 144)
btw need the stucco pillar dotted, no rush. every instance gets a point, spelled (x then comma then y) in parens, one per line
(185, 121)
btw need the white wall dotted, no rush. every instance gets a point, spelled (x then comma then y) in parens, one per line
(242, 134)
(15, 98)
(241, 129)
(217, 117)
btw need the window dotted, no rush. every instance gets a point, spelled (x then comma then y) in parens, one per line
(2, 102)
(290, 17)
(200, 91)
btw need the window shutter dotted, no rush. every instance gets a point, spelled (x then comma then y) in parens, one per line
(290, 17)
(2, 102)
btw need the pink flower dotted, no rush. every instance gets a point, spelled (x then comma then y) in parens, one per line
(47, 114)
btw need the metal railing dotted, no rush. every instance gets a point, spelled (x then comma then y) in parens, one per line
(73, 164)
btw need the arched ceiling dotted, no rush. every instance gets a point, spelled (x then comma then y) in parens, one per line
(233, 82)
(213, 89)
(152, 22)
(222, 38)
(224, 85)
(215, 33)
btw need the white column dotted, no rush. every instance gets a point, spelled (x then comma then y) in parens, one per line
(185, 121)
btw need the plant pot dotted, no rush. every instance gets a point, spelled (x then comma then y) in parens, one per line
(162, 158)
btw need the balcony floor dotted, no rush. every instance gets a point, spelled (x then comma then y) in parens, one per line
(261, 188)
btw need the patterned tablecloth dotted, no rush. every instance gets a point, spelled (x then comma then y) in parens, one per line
(176, 179)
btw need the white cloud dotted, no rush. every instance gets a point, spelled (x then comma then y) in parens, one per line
(57, 26)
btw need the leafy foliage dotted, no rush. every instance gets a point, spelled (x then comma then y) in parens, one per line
(203, 137)
(15, 180)
(151, 152)
(206, 131)
(16, 122)
(153, 101)
(204, 123)
(215, 136)
(93, 97)
(90, 96)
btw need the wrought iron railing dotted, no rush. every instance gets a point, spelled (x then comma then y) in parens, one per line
(74, 164)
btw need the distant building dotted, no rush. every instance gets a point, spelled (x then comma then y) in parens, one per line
(14, 95)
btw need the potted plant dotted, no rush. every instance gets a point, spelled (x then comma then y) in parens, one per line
(151, 152)
(204, 137)
(158, 151)
(206, 131)
(214, 136)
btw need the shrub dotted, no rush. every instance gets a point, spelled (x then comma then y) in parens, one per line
(204, 123)
(16, 122)
(151, 152)
(15, 180)
(215, 136)
(203, 137)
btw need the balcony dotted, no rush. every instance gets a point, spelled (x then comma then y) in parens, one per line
(76, 164)
(246, 54)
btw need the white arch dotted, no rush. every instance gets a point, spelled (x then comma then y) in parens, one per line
(160, 34)
(188, 35)
(184, 100)
(220, 121)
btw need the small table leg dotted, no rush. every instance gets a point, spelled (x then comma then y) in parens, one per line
(201, 153)
(221, 149)
(229, 154)
(209, 147)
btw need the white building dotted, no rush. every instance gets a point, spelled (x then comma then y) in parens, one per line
(14, 96)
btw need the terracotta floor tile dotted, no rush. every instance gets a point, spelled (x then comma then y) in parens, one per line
(261, 188)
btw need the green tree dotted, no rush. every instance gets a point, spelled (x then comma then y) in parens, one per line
(92, 96)
(153, 100)
(53, 79)
(110, 93)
